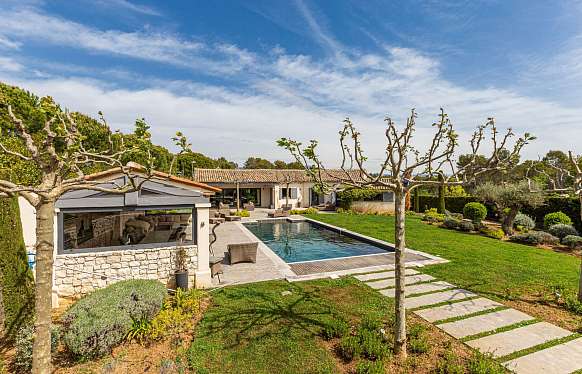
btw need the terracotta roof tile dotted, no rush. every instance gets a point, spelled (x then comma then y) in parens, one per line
(265, 175)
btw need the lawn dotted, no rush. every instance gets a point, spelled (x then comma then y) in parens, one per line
(275, 327)
(498, 269)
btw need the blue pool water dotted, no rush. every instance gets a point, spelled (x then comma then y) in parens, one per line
(305, 241)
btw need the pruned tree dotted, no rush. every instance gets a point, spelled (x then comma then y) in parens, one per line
(509, 198)
(59, 154)
(405, 169)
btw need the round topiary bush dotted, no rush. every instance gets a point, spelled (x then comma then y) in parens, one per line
(573, 241)
(98, 322)
(555, 218)
(475, 211)
(524, 222)
(561, 231)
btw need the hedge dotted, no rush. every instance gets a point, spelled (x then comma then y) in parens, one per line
(570, 206)
(16, 277)
(455, 204)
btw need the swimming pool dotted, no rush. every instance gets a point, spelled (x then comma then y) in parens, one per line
(307, 241)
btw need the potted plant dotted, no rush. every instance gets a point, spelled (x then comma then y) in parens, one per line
(181, 268)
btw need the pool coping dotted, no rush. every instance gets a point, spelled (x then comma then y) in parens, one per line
(291, 276)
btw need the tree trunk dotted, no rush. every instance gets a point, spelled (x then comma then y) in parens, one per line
(400, 322)
(442, 205)
(41, 350)
(287, 197)
(508, 220)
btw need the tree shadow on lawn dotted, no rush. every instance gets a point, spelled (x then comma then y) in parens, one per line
(245, 314)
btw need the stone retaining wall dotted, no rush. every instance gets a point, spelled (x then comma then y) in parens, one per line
(80, 273)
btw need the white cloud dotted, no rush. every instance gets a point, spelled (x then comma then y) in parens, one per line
(10, 65)
(24, 24)
(277, 95)
(127, 5)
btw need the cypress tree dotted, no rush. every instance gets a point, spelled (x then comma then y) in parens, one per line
(17, 282)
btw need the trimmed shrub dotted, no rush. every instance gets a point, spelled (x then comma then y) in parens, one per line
(453, 204)
(555, 218)
(17, 281)
(572, 241)
(336, 328)
(241, 213)
(433, 216)
(102, 319)
(451, 223)
(535, 238)
(370, 367)
(568, 205)
(310, 210)
(524, 221)
(475, 211)
(466, 226)
(24, 341)
(561, 231)
(492, 233)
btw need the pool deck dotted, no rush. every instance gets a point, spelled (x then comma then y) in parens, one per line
(269, 266)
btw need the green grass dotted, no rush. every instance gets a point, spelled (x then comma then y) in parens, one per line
(255, 329)
(491, 267)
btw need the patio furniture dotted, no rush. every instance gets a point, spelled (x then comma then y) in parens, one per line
(216, 220)
(243, 252)
(278, 213)
(232, 218)
(249, 206)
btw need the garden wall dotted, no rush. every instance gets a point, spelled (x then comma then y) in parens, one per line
(80, 273)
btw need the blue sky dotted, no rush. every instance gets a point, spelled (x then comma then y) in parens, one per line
(237, 75)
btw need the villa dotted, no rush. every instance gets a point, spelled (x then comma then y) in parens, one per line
(269, 188)
(274, 188)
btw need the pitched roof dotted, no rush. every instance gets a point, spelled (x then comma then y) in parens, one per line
(266, 175)
(137, 168)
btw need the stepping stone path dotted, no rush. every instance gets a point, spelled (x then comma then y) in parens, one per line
(457, 309)
(385, 283)
(383, 275)
(437, 298)
(462, 306)
(524, 337)
(564, 358)
(483, 323)
(420, 288)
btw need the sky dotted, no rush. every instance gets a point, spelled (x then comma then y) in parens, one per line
(235, 76)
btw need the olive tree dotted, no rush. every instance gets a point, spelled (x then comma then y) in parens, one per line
(509, 198)
(59, 154)
(403, 170)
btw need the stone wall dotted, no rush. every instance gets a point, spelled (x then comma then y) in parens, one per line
(80, 273)
(373, 207)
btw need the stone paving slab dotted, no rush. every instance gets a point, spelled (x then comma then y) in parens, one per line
(437, 298)
(407, 280)
(459, 309)
(383, 275)
(420, 288)
(564, 358)
(485, 322)
(515, 340)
